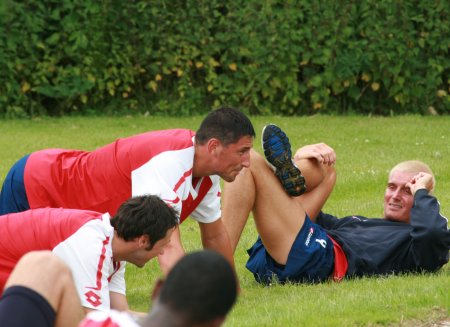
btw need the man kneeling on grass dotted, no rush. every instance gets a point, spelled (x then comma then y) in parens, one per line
(299, 243)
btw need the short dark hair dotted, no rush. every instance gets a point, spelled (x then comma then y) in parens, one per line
(201, 287)
(144, 215)
(226, 124)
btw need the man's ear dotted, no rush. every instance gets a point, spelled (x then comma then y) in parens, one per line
(157, 289)
(144, 241)
(212, 145)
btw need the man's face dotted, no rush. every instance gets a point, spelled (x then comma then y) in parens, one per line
(233, 157)
(140, 256)
(398, 199)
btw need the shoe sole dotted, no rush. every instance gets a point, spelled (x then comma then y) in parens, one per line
(278, 153)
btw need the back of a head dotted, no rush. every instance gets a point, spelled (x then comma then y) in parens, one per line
(413, 167)
(144, 215)
(226, 124)
(201, 287)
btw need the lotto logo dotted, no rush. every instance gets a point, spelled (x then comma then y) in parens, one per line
(93, 298)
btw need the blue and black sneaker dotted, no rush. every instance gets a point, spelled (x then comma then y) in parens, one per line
(277, 150)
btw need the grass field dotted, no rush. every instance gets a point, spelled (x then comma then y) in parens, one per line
(366, 148)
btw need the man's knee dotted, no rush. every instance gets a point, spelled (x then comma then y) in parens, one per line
(314, 172)
(45, 264)
(44, 273)
(256, 159)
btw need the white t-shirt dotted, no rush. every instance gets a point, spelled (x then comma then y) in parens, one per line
(88, 253)
(81, 238)
(157, 162)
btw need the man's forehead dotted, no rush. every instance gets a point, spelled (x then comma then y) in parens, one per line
(400, 177)
(244, 142)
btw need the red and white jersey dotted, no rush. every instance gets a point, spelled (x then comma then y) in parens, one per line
(82, 239)
(158, 162)
(112, 319)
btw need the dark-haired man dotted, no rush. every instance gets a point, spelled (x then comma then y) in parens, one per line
(180, 166)
(94, 246)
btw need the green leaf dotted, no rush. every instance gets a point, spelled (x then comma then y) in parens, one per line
(53, 39)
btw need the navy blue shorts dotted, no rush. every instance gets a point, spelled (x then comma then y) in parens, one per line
(13, 197)
(23, 307)
(310, 260)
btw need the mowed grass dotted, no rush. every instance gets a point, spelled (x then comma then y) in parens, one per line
(366, 149)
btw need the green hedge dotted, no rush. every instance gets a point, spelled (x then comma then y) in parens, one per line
(185, 57)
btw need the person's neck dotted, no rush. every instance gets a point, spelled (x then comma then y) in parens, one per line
(161, 316)
(119, 247)
(202, 162)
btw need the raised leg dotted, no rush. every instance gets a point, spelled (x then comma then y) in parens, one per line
(238, 199)
(320, 181)
(278, 216)
(47, 275)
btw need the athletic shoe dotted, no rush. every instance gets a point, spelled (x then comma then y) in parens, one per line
(277, 150)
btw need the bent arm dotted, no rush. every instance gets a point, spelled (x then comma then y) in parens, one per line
(430, 235)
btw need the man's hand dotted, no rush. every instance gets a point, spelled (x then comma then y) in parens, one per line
(420, 181)
(322, 152)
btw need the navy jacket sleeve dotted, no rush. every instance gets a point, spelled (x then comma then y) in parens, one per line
(430, 235)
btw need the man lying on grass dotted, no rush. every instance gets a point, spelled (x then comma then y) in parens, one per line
(299, 243)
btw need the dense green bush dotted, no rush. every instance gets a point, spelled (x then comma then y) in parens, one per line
(185, 57)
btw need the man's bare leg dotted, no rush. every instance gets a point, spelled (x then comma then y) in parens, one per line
(320, 181)
(238, 199)
(47, 275)
(316, 163)
(278, 216)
